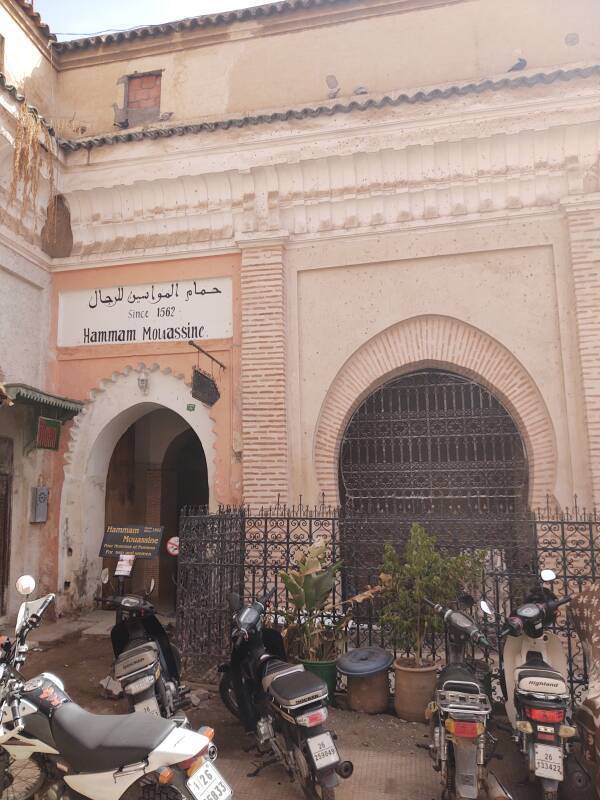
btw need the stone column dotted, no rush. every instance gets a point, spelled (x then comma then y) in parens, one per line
(265, 459)
(583, 214)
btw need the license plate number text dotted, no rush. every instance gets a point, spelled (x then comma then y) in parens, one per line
(323, 750)
(207, 783)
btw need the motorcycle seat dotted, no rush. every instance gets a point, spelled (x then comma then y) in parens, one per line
(458, 678)
(541, 678)
(275, 669)
(297, 688)
(105, 742)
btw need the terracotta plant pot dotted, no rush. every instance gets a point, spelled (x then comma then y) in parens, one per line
(414, 689)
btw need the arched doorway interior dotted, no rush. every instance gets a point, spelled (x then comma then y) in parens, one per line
(157, 467)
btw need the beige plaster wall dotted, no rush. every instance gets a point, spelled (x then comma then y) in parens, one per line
(27, 63)
(249, 66)
(507, 281)
(24, 319)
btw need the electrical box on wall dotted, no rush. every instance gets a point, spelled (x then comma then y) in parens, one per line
(39, 504)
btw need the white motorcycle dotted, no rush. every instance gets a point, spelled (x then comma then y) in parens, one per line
(537, 696)
(52, 749)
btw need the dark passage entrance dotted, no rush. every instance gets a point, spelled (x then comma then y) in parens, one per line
(432, 441)
(157, 468)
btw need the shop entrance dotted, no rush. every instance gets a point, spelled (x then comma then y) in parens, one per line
(6, 470)
(158, 467)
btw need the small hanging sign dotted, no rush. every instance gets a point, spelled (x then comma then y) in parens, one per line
(48, 433)
(204, 387)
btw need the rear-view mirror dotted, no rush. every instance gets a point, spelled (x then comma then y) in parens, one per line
(487, 608)
(26, 585)
(548, 575)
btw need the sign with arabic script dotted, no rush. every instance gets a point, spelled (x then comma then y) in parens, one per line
(145, 313)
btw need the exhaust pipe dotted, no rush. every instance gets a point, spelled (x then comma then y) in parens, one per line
(345, 769)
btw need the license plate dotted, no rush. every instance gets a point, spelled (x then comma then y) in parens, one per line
(323, 750)
(149, 706)
(207, 783)
(548, 762)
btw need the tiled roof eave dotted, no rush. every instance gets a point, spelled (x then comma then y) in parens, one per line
(28, 394)
(20, 98)
(312, 112)
(29, 10)
(191, 23)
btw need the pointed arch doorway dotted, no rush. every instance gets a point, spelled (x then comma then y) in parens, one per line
(157, 468)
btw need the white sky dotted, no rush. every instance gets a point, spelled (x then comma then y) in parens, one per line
(72, 18)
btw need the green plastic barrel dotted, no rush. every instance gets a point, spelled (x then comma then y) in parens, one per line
(327, 671)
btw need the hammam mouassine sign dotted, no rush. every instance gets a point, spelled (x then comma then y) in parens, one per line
(146, 313)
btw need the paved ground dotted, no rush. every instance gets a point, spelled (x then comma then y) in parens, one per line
(389, 764)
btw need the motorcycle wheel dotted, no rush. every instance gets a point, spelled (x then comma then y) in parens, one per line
(311, 789)
(228, 695)
(148, 789)
(19, 780)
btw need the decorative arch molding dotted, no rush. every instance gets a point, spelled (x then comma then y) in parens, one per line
(447, 343)
(117, 403)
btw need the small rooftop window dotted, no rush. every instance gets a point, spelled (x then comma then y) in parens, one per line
(142, 98)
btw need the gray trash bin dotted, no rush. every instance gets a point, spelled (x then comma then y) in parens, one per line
(366, 669)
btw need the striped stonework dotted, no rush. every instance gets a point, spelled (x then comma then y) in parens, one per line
(584, 232)
(264, 422)
(442, 342)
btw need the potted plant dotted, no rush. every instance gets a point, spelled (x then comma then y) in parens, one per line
(422, 572)
(314, 629)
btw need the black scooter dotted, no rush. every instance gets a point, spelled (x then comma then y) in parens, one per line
(459, 714)
(280, 703)
(147, 664)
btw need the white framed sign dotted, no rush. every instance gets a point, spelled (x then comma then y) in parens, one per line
(150, 312)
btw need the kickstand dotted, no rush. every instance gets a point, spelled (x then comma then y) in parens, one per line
(259, 767)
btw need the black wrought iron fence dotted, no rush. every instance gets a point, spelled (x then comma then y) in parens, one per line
(244, 551)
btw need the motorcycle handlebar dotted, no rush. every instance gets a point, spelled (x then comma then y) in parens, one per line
(554, 604)
(267, 598)
(35, 619)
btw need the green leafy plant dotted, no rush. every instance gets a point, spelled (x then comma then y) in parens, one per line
(315, 626)
(422, 572)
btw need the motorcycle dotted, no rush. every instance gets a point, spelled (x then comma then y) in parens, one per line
(535, 670)
(52, 749)
(281, 705)
(461, 743)
(583, 778)
(147, 665)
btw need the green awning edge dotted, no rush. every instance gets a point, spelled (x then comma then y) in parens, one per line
(28, 394)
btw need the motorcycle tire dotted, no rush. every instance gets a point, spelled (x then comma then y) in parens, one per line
(311, 789)
(20, 780)
(149, 789)
(228, 695)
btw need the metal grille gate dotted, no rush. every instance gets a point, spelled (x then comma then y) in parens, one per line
(432, 441)
(237, 550)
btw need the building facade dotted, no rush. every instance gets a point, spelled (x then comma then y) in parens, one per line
(380, 217)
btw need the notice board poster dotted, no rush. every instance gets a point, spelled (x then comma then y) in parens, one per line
(140, 541)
